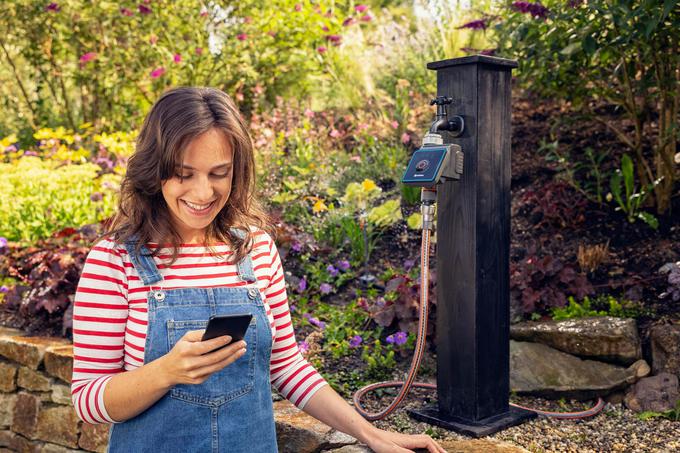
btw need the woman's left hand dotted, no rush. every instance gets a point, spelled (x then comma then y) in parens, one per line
(382, 441)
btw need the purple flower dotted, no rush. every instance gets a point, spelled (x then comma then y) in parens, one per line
(313, 321)
(30, 153)
(303, 346)
(408, 264)
(355, 341)
(10, 149)
(332, 271)
(302, 285)
(143, 9)
(177, 58)
(334, 39)
(126, 12)
(380, 302)
(400, 338)
(349, 21)
(54, 7)
(296, 247)
(325, 288)
(343, 265)
(3, 242)
(4, 289)
(96, 196)
(156, 73)
(292, 308)
(390, 339)
(479, 24)
(535, 9)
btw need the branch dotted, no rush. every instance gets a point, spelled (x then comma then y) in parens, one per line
(31, 120)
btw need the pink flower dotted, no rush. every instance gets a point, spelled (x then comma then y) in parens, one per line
(349, 21)
(321, 49)
(324, 28)
(360, 8)
(272, 34)
(309, 113)
(329, 13)
(54, 7)
(366, 18)
(479, 24)
(177, 58)
(405, 138)
(241, 36)
(247, 20)
(143, 9)
(156, 73)
(153, 39)
(298, 7)
(88, 57)
(204, 13)
(198, 50)
(356, 159)
(334, 39)
(394, 124)
(335, 133)
(126, 12)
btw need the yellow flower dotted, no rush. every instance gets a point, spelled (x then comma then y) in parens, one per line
(368, 185)
(319, 206)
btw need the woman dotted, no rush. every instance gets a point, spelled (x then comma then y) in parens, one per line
(190, 241)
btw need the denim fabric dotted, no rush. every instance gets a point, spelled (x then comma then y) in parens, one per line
(231, 412)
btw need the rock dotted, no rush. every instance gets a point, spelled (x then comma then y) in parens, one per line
(51, 448)
(33, 380)
(338, 439)
(59, 362)
(17, 443)
(8, 373)
(297, 432)
(537, 369)
(25, 419)
(641, 369)
(28, 351)
(656, 393)
(480, 446)
(61, 394)
(604, 338)
(94, 437)
(7, 403)
(665, 340)
(351, 449)
(58, 425)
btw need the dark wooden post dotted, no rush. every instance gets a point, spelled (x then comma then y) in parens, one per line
(473, 248)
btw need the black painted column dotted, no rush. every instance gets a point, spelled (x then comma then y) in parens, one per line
(473, 247)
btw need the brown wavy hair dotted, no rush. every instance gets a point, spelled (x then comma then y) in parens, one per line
(179, 116)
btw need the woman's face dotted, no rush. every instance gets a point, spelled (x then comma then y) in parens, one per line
(201, 185)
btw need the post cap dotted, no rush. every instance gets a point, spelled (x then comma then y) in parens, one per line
(499, 63)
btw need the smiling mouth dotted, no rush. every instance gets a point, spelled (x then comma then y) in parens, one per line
(197, 208)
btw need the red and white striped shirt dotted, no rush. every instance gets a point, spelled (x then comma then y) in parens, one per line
(110, 317)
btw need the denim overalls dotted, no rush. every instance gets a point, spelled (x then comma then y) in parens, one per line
(232, 411)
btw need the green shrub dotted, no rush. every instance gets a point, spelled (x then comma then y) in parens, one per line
(42, 197)
(623, 52)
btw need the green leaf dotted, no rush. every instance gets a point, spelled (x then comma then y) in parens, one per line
(668, 5)
(571, 48)
(628, 178)
(589, 45)
(649, 219)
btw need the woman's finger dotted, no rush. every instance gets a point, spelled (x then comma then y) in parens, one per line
(214, 367)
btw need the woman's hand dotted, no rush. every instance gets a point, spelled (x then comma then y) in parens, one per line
(191, 362)
(382, 441)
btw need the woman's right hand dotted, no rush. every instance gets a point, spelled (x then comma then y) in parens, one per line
(191, 362)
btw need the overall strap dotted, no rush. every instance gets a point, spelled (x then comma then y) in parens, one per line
(245, 266)
(143, 263)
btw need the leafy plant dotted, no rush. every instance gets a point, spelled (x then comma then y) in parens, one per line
(540, 283)
(626, 50)
(556, 204)
(631, 199)
(672, 270)
(601, 306)
(671, 414)
(379, 360)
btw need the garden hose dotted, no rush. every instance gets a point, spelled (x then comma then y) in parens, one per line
(428, 197)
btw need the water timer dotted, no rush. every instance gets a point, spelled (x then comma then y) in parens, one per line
(431, 163)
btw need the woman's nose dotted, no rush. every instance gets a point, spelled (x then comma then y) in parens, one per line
(203, 190)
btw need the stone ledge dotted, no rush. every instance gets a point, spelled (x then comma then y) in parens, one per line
(59, 361)
(28, 351)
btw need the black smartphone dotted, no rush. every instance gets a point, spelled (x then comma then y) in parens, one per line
(232, 325)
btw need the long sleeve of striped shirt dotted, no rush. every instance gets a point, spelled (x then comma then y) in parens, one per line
(110, 318)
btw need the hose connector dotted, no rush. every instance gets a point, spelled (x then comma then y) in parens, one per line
(428, 197)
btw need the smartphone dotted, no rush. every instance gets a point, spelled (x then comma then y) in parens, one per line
(232, 325)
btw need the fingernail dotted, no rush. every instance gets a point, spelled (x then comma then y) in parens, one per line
(227, 339)
(245, 344)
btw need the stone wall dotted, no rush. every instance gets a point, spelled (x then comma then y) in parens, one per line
(35, 398)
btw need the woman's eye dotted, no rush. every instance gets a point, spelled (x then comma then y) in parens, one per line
(222, 176)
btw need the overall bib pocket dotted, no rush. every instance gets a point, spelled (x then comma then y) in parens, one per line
(232, 381)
